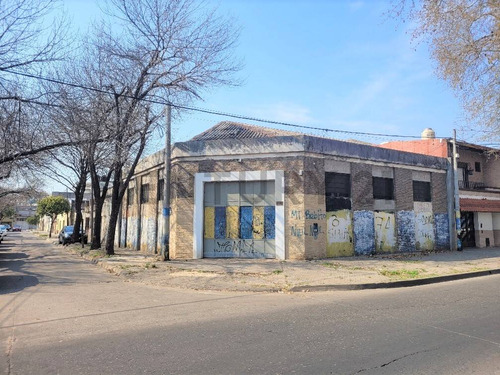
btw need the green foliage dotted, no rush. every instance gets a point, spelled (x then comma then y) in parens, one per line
(33, 220)
(52, 206)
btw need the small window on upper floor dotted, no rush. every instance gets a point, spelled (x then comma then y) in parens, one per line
(477, 166)
(421, 191)
(130, 196)
(145, 193)
(383, 188)
(159, 191)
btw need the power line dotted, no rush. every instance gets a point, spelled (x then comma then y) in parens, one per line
(204, 110)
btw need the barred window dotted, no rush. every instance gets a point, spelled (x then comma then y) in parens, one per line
(337, 191)
(130, 197)
(421, 191)
(383, 188)
(159, 192)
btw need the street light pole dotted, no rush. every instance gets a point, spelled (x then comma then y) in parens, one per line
(166, 187)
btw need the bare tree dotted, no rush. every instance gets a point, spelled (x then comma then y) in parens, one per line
(464, 39)
(168, 50)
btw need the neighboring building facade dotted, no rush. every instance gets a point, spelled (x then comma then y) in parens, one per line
(23, 212)
(252, 192)
(478, 178)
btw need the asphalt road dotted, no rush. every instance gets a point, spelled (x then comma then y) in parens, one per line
(61, 315)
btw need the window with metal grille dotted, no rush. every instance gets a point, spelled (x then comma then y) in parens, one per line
(337, 191)
(145, 193)
(383, 188)
(159, 192)
(421, 191)
(130, 196)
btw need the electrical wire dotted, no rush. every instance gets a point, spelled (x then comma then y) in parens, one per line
(204, 110)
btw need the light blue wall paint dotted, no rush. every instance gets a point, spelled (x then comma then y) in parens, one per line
(406, 231)
(364, 232)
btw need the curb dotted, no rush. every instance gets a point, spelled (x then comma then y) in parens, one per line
(395, 284)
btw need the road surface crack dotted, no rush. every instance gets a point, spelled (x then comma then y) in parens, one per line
(394, 360)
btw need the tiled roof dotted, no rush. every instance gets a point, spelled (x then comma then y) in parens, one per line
(235, 130)
(479, 205)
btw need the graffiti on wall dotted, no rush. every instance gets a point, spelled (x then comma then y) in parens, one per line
(424, 230)
(239, 231)
(300, 229)
(385, 231)
(364, 232)
(339, 234)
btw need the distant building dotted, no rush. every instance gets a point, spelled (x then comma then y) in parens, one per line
(479, 185)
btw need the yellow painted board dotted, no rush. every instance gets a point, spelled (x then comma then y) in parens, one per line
(209, 224)
(232, 222)
(339, 234)
(258, 223)
(385, 232)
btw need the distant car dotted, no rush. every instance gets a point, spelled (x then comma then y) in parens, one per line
(16, 228)
(66, 233)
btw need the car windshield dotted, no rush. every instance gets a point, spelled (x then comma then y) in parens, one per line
(68, 228)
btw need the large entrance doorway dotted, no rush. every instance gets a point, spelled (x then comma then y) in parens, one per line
(239, 219)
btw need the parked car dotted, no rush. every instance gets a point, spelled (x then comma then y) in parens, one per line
(16, 228)
(66, 233)
(3, 231)
(9, 228)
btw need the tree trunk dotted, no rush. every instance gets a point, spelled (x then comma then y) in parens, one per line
(51, 227)
(96, 230)
(79, 194)
(116, 200)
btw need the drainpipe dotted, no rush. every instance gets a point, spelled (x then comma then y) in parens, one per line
(456, 192)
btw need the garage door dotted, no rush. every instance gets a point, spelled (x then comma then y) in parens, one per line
(239, 219)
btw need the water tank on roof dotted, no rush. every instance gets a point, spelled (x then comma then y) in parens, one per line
(428, 133)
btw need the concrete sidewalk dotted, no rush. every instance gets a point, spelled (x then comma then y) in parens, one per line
(265, 275)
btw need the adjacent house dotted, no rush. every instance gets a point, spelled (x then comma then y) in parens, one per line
(478, 176)
(251, 192)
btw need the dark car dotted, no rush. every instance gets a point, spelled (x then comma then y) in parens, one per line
(16, 228)
(67, 232)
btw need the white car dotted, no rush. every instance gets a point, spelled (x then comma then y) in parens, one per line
(3, 231)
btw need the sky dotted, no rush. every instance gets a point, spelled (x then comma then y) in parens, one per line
(335, 64)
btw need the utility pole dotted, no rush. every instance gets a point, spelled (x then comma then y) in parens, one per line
(458, 226)
(165, 248)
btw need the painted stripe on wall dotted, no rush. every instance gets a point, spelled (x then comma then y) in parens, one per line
(209, 222)
(220, 223)
(246, 218)
(232, 221)
(269, 222)
(258, 223)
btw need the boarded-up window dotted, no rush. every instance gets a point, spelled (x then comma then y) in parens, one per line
(383, 188)
(145, 193)
(130, 197)
(421, 191)
(159, 192)
(337, 191)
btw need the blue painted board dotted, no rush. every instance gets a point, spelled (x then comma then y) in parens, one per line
(246, 219)
(406, 231)
(364, 232)
(269, 222)
(220, 223)
(441, 223)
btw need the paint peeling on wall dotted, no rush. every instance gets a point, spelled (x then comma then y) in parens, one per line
(364, 232)
(385, 231)
(406, 231)
(339, 234)
(424, 228)
(441, 223)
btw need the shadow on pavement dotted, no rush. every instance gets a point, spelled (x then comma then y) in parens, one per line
(16, 283)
